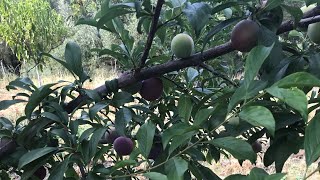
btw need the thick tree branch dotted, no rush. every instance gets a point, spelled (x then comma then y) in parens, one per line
(151, 35)
(194, 60)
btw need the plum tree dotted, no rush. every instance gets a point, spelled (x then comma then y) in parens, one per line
(256, 146)
(182, 45)
(202, 113)
(109, 136)
(244, 35)
(313, 32)
(151, 89)
(123, 145)
(40, 173)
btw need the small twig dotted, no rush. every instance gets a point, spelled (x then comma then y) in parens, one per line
(151, 35)
(210, 69)
(312, 173)
(169, 20)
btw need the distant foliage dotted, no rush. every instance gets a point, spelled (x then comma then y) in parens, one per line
(30, 26)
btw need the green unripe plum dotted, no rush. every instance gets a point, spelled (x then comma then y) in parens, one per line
(245, 35)
(234, 121)
(313, 32)
(227, 12)
(305, 9)
(182, 45)
(123, 146)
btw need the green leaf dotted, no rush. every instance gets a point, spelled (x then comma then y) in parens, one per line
(96, 108)
(240, 149)
(155, 176)
(272, 4)
(123, 116)
(180, 140)
(121, 164)
(293, 97)
(112, 13)
(177, 3)
(202, 115)
(226, 5)
(175, 130)
(218, 28)
(72, 56)
(94, 141)
(63, 63)
(259, 116)
(185, 106)
(242, 93)
(35, 154)
(254, 62)
(192, 74)
(36, 98)
(7, 103)
(293, 11)
(298, 79)
(120, 98)
(176, 167)
(145, 136)
(312, 140)
(198, 15)
(59, 170)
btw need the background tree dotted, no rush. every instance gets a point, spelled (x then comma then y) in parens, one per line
(30, 27)
(189, 110)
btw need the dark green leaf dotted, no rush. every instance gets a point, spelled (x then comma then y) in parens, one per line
(7, 103)
(35, 154)
(36, 98)
(59, 170)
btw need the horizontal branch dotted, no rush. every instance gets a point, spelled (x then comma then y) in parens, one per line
(130, 78)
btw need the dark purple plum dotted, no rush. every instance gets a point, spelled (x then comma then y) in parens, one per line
(256, 146)
(109, 136)
(7, 146)
(41, 173)
(244, 35)
(155, 151)
(123, 146)
(151, 89)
